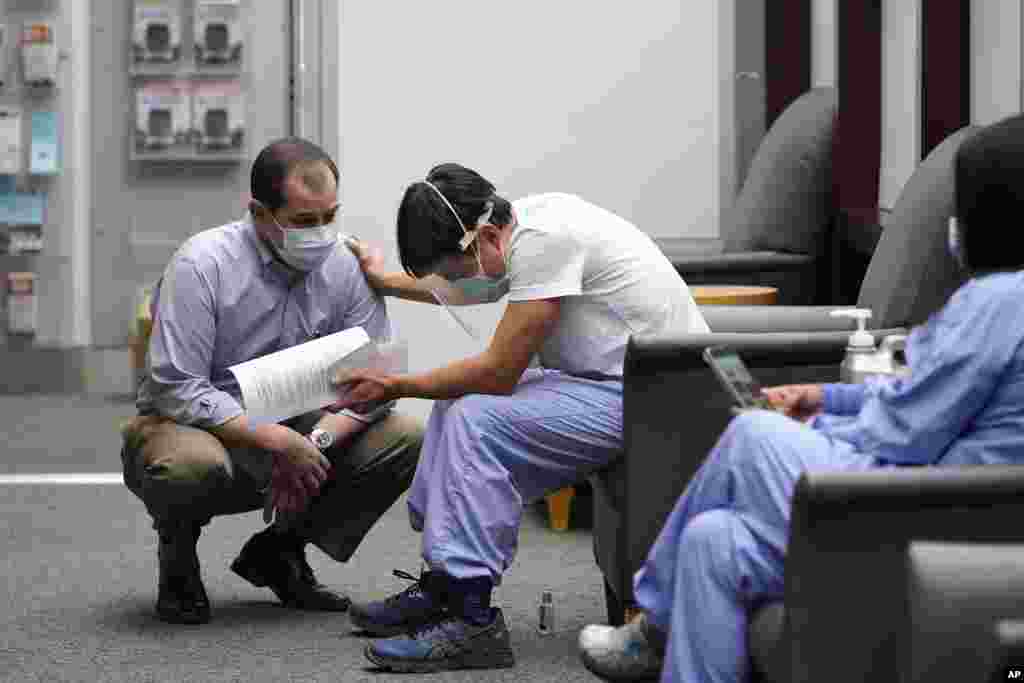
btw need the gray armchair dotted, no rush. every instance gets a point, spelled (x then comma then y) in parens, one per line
(962, 599)
(776, 233)
(864, 601)
(674, 409)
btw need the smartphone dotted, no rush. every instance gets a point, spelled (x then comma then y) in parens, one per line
(734, 376)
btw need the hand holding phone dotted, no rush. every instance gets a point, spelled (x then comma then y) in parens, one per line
(735, 378)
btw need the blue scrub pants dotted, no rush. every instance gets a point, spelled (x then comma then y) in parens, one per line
(484, 457)
(721, 552)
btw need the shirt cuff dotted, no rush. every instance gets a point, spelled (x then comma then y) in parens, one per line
(370, 417)
(843, 399)
(213, 410)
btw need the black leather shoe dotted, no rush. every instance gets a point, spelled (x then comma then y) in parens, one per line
(181, 596)
(279, 563)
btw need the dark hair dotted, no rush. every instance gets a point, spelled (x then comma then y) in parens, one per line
(275, 162)
(427, 230)
(989, 178)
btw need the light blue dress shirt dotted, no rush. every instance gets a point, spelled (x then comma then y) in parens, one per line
(224, 299)
(963, 403)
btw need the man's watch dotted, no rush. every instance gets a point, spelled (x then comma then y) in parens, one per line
(321, 438)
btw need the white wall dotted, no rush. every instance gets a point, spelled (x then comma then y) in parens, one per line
(995, 60)
(824, 43)
(901, 96)
(617, 102)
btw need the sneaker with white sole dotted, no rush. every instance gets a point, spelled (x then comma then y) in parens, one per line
(632, 652)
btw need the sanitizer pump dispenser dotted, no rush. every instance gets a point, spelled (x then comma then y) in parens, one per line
(860, 360)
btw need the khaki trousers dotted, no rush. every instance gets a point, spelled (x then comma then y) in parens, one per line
(186, 475)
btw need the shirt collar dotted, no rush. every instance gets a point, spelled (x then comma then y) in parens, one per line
(266, 256)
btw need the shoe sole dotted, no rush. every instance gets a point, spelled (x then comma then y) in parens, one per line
(593, 668)
(501, 660)
(257, 579)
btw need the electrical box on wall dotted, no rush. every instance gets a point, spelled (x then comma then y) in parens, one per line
(218, 32)
(39, 54)
(219, 116)
(156, 37)
(163, 116)
(10, 140)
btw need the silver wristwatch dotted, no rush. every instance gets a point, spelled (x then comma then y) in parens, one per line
(321, 438)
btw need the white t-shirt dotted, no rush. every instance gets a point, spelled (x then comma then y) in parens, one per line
(612, 279)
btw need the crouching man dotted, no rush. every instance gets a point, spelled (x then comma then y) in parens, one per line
(274, 279)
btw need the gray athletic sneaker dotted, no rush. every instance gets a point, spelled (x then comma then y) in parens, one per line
(626, 653)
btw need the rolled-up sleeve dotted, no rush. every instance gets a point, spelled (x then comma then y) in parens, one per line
(181, 350)
(365, 308)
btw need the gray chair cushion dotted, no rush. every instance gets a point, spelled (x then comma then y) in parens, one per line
(786, 201)
(911, 273)
(767, 653)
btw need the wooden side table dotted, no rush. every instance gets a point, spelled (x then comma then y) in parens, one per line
(734, 294)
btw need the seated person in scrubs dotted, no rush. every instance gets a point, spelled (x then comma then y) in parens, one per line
(579, 280)
(723, 547)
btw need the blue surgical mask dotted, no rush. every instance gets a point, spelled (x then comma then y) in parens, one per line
(481, 288)
(307, 248)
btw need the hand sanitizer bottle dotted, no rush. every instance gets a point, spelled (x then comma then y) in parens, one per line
(860, 360)
(546, 614)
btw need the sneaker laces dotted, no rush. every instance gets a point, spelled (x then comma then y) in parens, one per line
(413, 591)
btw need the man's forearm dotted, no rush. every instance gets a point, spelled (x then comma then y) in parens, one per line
(405, 286)
(473, 375)
(236, 433)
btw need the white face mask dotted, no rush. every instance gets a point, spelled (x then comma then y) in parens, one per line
(307, 248)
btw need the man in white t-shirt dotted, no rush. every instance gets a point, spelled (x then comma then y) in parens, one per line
(580, 281)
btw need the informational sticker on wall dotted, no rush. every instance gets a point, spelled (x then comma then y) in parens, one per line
(297, 380)
(10, 140)
(156, 35)
(44, 154)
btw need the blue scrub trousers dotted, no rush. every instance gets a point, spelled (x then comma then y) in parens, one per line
(721, 552)
(484, 457)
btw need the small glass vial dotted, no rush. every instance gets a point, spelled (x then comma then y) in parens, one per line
(546, 614)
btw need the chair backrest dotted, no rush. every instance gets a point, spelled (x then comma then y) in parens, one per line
(786, 201)
(912, 274)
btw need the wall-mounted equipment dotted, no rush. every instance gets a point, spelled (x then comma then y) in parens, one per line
(219, 116)
(156, 37)
(10, 140)
(218, 32)
(163, 116)
(21, 303)
(39, 54)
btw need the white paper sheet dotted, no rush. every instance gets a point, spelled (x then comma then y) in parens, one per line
(294, 381)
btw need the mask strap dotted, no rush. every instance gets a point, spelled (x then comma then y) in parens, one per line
(467, 237)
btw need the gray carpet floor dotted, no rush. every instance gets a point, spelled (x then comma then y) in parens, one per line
(79, 563)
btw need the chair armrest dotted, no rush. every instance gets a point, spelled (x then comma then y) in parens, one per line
(780, 319)
(735, 262)
(957, 595)
(845, 586)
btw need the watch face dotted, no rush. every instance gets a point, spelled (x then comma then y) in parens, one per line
(322, 439)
